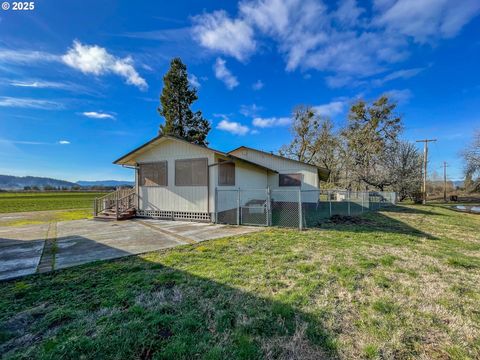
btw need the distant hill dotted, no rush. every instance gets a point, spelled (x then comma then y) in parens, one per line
(109, 183)
(9, 182)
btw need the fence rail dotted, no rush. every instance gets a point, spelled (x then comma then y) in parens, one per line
(293, 207)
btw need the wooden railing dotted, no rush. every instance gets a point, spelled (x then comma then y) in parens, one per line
(118, 201)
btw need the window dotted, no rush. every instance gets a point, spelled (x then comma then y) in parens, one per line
(289, 179)
(191, 172)
(226, 173)
(153, 174)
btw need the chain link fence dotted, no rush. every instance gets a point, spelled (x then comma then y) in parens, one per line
(294, 208)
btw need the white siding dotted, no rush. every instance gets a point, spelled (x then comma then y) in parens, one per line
(283, 166)
(171, 197)
(252, 179)
(246, 176)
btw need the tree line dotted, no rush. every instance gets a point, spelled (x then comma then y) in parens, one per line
(368, 153)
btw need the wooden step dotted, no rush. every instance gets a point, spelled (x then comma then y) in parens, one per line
(109, 215)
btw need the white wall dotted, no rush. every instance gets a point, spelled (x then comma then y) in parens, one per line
(283, 166)
(171, 197)
(252, 179)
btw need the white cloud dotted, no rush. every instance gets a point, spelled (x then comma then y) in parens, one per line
(92, 59)
(29, 103)
(193, 80)
(347, 41)
(28, 142)
(40, 84)
(426, 20)
(348, 12)
(26, 56)
(401, 96)
(98, 115)
(216, 31)
(22, 142)
(223, 74)
(297, 25)
(338, 81)
(250, 110)
(271, 122)
(399, 74)
(232, 127)
(258, 85)
(331, 109)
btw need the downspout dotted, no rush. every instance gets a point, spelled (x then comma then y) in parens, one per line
(208, 190)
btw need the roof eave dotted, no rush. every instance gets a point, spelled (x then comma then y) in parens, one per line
(120, 161)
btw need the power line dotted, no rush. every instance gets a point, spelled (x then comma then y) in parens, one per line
(425, 161)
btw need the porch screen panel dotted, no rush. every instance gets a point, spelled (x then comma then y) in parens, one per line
(153, 174)
(191, 172)
(226, 174)
(289, 179)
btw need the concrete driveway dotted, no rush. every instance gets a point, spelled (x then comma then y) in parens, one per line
(45, 247)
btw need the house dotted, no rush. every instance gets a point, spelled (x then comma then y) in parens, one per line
(175, 179)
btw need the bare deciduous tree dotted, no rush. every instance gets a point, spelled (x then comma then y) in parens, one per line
(366, 153)
(471, 156)
(314, 141)
(371, 132)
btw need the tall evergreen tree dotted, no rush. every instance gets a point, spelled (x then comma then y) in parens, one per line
(176, 98)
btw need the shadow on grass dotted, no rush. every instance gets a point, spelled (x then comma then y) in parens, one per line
(409, 210)
(135, 308)
(372, 221)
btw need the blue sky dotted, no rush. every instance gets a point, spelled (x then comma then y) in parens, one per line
(80, 80)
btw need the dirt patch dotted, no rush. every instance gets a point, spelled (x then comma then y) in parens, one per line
(348, 220)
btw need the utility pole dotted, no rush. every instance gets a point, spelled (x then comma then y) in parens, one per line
(425, 161)
(445, 181)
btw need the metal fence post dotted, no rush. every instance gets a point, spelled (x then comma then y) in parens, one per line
(269, 214)
(363, 195)
(330, 201)
(300, 214)
(238, 206)
(348, 201)
(216, 205)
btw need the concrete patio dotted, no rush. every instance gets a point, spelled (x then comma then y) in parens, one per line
(41, 248)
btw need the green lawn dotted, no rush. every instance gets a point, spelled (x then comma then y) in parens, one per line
(41, 217)
(24, 201)
(403, 284)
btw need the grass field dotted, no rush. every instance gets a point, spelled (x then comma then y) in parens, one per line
(403, 284)
(24, 201)
(41, 217)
